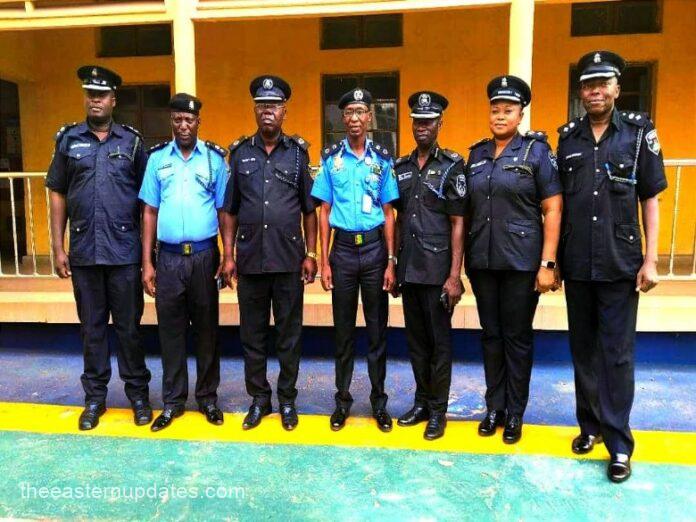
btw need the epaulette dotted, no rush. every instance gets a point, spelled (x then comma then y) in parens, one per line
(566, 130)
(217, 148)
(301, 142)
(382, 151)
(454, 156)
(478, 143)
(401, 159)
(236, 143)
(132, 129)
(157, 147)
(639, 119)
(64, 128)
(536, 135)
(330, 151)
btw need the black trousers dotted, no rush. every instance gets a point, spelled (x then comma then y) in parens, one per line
(117, 290)
(360, 269)
(187, 294)
(257, 293)
(602, 327)
(428, 334)
(506, 302)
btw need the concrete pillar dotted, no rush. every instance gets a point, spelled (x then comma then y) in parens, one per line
(184, 38)
(521, 46)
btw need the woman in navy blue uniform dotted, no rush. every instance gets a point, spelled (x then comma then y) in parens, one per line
(514, 218)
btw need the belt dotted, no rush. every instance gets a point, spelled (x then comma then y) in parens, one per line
(188, 248)
(358, 238)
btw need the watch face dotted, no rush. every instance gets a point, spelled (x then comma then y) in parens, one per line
(550, 264)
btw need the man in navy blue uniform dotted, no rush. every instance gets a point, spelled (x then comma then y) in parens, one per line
(610, 160)
(94, 178)
(430, 225)
(356, 187)
(267, 205)
(183, 192)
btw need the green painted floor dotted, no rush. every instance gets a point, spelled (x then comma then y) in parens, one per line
(275, 482)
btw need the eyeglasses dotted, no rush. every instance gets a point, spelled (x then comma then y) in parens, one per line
(349, 113)
(269, 106)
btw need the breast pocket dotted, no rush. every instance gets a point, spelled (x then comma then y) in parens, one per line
(521, 178)
(287, 174)
(619, 168)
(120, 163)
(81, 161)
(474, 179)
(570, 171)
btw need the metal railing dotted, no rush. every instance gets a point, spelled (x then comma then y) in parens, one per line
(39, 263)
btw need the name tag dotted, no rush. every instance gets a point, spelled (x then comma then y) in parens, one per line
(405, 175)
(79, 146)
(574, 155)
(245, 160)
(366, 204)
(478, 164)
(164, 171)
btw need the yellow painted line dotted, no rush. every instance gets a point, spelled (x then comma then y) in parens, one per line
(461, 436)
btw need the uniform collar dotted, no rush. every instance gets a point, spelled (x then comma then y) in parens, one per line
(174, 148)
(368, 147)
(509, 150)
(435, 151)
(257, 140)
(115, 129)
(614, 121)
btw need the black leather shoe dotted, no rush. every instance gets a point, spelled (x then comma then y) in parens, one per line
(488, 425)
(513, 429)
(436, 427)
(384, 420)
(415, 415)
(338, 418)
(212, 413)
(142, 412)
(256, 413)
(166, 417)
(585, 443)
(288, 416)
(619, 468)
(89, 418)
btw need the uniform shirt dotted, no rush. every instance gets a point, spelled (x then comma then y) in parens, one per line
(269, 194)
(427, 199)
(505, 194)
(187, 192)
(356, 188)
(602, 182)
(100, 180)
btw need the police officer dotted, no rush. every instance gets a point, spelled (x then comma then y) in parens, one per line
(268, 198)
(515, 217)
(430, 226)
(183, 192)
(609, 160)
(94, 178)
(356, 187)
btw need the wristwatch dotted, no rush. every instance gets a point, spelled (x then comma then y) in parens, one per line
(313, 255)
(392, 257)
(548, 264)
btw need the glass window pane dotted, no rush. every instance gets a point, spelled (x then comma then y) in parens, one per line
(385, 116)
(636, 17)
(127, 116)
(383, 31)
(156, 96)
(127, 98)
(337, 86)
(333, 119)
(156, 123)
(340, 33)
(383, 87)
(118, 41)
(154, 40)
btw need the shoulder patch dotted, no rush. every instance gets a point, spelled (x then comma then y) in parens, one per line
(301, 142)
(330, 151)
(132, 129)
(382, 151)
(640, 119)
(536, 135)
(400, 160)
(479, 143)
(454, 156)
(66, 127)
(569, 128)
(157, 147)
(236, 143)
(217, 148)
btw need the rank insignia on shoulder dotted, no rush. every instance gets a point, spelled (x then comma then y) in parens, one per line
(217, 148)
(157, 147)
(479, 143)
(454, 156)
(536, 135)
(330, 151)
(237, 143)
(132, 129)
(66, 127)
(301, 142)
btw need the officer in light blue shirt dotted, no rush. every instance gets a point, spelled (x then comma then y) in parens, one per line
(356, 187)
(183, 191)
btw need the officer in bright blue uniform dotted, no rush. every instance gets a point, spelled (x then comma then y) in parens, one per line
(356, 187)
(183, 192)
(609, 160)
(515, 213)
(94, 178)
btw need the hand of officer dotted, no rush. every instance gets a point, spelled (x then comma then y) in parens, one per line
(454, 288)
(228, 269)
(149, 279)
(545, 280)
(309, 270)
(647, 276)
(395, 291)
(326, 277)
(389, 278)
(557, 279)
(62, 264)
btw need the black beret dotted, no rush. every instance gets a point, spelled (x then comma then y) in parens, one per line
(509, 88)
(600, 64)
(269, 88)
(357, 95)
(427, 104)
(97, 78)
(183, 102)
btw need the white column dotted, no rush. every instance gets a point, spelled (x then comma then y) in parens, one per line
(521, 46)
(184, 38)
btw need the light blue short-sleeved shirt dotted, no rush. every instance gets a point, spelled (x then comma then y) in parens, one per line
(345, 180)
(186, 192)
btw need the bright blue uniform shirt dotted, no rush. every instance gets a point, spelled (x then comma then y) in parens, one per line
(343, 181)
(187, 192)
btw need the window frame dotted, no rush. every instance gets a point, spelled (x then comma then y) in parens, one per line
(141, 109)
(323, 46)
(612, 9)
(138, 54)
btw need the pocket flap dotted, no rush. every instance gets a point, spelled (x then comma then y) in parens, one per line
(628, 232)
(244, 232)
(435, 242)
(123, 226)
(78, 225)
(521, 228)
